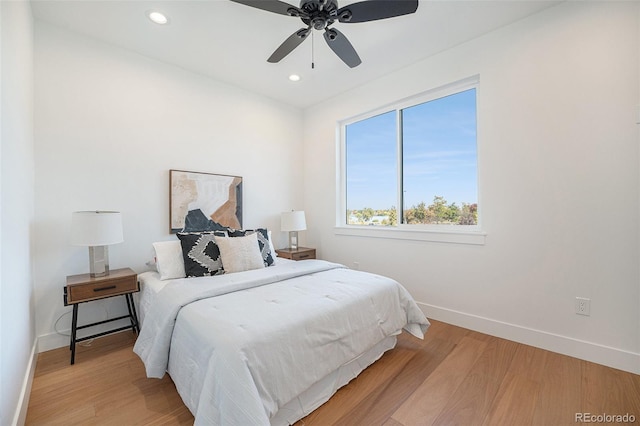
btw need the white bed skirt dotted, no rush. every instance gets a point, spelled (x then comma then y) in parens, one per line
(321, 391)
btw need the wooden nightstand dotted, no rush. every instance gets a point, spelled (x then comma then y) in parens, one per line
(301, 253)
(84, 288)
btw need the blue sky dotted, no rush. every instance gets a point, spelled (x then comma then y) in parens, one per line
(439, 155)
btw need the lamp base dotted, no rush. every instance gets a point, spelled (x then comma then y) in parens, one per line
(98, 261)
(293, 240)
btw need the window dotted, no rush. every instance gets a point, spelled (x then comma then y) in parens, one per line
(372, 169)
(414, 164)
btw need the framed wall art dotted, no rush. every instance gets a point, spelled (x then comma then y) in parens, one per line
(204, 201)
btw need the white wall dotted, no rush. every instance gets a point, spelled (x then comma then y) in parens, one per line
(559, 184)
(17, 312)
(109, 125)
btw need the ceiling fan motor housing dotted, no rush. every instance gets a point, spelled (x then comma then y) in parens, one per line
(320, 13)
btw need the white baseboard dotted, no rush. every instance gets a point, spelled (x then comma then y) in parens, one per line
(20, 416)
(588, 351)
(47, 342)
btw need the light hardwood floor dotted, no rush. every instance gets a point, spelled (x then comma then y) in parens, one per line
(453, 377)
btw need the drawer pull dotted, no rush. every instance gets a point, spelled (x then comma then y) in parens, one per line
(111, 287)
(304, 256)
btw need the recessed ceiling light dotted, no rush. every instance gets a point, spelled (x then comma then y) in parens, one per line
(294, 77)
(157, 17)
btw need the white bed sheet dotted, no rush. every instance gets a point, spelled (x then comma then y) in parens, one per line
(150, 285)
(279, 346)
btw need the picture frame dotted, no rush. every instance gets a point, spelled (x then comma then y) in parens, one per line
(204, 201)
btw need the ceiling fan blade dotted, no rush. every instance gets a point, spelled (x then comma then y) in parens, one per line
(274, 6)
(372, 10)
(288, 45)
(342, 47)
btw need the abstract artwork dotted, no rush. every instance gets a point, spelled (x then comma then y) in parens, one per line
(204, 201)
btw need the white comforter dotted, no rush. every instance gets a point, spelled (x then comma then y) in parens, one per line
(262, 337)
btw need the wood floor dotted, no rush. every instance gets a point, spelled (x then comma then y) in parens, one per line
(453, 377)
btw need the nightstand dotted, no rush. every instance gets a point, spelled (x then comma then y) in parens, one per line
(301, 253)
(84, 288)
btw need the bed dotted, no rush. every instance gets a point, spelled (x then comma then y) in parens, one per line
(268, 346)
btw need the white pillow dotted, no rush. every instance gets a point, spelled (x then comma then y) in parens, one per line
(169, 260)
(240, 253)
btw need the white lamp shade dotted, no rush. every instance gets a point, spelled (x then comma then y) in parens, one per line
(293, 221)
(96, 228)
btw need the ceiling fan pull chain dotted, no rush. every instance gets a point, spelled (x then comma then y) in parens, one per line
(313, 42)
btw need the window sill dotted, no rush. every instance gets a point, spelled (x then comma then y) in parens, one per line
(431, 235)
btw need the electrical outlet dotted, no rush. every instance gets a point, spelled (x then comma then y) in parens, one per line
(356, 265)
(583, 306)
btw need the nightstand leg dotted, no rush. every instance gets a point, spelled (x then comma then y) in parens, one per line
(74, 324)
(135, 314)
(132, 310)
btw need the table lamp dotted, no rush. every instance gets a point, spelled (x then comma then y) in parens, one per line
(96, 230)
(293, 222)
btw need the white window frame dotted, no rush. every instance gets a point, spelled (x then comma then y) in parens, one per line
(462, 234)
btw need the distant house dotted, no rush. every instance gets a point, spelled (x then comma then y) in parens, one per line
(378, 220)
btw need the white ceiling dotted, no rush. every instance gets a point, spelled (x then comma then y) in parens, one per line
(230, 42)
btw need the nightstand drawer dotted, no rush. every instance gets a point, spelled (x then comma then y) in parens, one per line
(118, 282)
(307, 254)
(301, 253)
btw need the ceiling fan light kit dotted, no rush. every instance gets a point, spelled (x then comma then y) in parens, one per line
(321, 14)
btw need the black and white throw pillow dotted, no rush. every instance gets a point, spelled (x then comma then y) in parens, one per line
(201, 253)
(263, 242)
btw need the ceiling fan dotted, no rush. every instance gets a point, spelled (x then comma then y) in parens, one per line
(321, 14)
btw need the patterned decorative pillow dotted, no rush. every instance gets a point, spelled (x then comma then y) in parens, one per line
(263, 242)
(201, 254)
